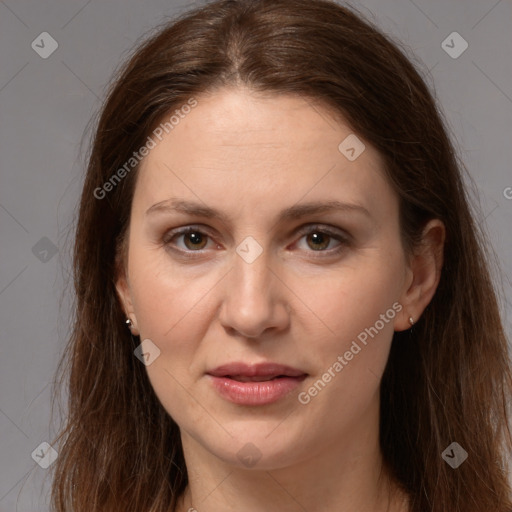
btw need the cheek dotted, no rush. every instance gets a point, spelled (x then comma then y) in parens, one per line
(170, 312)
(351, 357)
(355, 312)
(345, 302)
(169, 307)
(167, 298)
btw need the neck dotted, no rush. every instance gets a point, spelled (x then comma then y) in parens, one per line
(344, 477)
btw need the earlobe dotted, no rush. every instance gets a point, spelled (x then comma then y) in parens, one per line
(425, 268)
(124, 294)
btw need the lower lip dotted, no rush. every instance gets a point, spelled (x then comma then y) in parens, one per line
(255, 393)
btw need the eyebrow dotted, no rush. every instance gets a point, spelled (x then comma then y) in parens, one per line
(296, 211)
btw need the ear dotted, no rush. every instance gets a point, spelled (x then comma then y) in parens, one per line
(125, 296)
(423, 274)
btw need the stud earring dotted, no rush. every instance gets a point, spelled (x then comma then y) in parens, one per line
(129, 323)
(411, 321)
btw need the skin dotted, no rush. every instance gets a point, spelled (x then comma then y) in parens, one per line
(299, 303)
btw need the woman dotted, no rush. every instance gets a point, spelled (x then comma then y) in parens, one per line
(274, 209)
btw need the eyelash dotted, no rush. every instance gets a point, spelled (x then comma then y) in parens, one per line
(308, 230)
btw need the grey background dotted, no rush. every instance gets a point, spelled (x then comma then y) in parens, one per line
(45, 105)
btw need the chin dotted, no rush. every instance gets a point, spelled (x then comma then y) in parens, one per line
(257, 445)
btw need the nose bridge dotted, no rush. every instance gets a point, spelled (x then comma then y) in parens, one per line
(250, 278)
(252, 301)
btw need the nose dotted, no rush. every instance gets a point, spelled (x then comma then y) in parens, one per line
(254, 299)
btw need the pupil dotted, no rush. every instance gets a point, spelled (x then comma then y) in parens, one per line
(195, 238)
(318, 239)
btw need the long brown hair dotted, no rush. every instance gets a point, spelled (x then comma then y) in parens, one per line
(448, 379)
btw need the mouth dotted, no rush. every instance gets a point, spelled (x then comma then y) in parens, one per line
(255, 372)
(245, 378)
(259, 384)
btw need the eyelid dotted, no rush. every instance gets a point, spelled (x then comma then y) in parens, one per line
(325, 229)
(191, 228)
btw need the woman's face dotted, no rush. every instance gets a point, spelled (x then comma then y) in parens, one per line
(292, 257)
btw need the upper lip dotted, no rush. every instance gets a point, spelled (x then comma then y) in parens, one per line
(255, 370)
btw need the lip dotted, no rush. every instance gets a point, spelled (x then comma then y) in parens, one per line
(274, 381)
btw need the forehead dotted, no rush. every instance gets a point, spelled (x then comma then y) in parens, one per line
(260, 150)
(238, 120)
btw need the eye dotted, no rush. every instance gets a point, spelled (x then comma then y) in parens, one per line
(194, 240)
(319, 239)
(322, 239)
